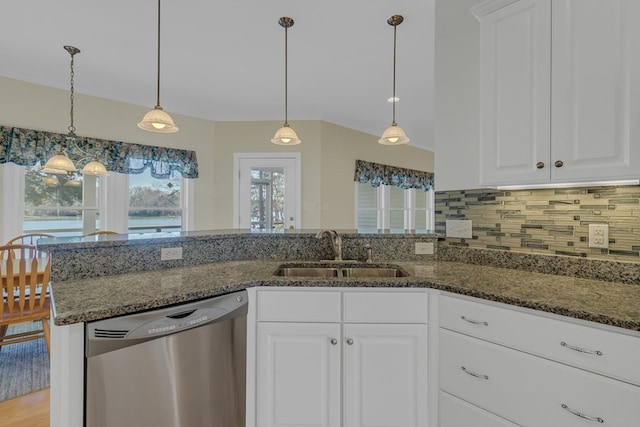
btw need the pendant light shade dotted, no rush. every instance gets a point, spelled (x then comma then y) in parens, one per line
(95, 168)
(157, 120)
(61, 164)
(286, 135)
(394, 135)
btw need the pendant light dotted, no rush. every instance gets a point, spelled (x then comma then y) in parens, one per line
(286, 135)
(61, 164)
(157, 120)
(394, 135)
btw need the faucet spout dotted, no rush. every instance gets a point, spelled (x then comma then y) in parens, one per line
(334, 240)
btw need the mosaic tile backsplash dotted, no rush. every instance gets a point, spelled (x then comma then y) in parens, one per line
(547, 221)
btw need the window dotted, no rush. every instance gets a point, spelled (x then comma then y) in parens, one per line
(154, 204)
(389, 207)
(59, 204)
(267, 198)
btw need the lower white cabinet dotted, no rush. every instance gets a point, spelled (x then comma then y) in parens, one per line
(298, 374)
(333, 373)
(385, 375)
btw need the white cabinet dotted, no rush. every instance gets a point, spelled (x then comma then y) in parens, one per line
(560, 91)
(298, 374)
(385, 375)
(454, 412)
(360, 360)
(533, 369)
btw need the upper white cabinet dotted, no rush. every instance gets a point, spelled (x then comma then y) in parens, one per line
(559, 91)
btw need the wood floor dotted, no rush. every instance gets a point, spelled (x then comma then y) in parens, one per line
(31, 410)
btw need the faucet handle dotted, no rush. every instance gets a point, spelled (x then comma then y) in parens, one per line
(367, 248)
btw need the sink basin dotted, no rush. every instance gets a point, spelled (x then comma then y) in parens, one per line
(339, 271)
(308, 272)
(373, 272)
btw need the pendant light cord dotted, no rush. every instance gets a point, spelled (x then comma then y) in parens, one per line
(286, 78)
(158, 86)
(395, 100)
(72, 128)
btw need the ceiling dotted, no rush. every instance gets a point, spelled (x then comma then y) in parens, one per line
(224, 59)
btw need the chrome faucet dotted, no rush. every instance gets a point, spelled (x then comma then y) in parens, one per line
(334, 240)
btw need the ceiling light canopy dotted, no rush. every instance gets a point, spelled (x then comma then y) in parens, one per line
(61, 164)
(157, 120)
(285, 135)
(394, 135)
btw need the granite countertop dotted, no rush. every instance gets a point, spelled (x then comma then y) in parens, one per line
(609, 303)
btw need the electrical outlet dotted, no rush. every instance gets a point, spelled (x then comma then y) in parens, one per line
(424, 248)
(598, 236)
(458, 228)
(169, 254)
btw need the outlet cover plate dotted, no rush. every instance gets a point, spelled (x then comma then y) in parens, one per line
(424, 248)
(459, 228)
(599, 236)
(169, 254)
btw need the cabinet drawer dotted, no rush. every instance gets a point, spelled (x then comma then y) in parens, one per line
(530, 390)
(454, 412)
(298, 306)
(606, 352)
(385, 307)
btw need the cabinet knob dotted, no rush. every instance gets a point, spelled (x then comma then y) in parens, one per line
(334, 341)
(349, 341)
(559, 163)
(540, 165)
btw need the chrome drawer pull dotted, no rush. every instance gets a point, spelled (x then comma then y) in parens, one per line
(473, 374)
(581, 350)
(475, 322)
(581, 415)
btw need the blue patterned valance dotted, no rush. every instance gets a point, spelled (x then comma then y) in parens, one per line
(27, 147)
(377, 174)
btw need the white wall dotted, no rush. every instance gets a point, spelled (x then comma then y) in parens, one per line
(328, 151)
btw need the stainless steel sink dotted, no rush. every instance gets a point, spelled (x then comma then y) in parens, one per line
(373, 272)
(339, 271)
(308, 272)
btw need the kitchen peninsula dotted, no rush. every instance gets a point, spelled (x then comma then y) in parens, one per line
(98, 279)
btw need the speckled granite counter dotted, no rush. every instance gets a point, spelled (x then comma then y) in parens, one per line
(88, 299)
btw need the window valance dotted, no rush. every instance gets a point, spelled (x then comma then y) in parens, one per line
(377, 174)
(27, 147)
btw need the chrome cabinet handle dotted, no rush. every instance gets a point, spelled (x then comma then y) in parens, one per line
(475, 322)
(334, 341)
(349, 341)
(581, 350)
(581, 415)
(473, 374)
(559, 163)
(540, 165)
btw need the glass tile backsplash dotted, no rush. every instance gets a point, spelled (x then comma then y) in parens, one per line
(548, 221)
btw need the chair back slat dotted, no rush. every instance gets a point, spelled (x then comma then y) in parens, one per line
(25, 276)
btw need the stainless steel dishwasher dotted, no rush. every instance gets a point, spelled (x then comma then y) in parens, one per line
(181, 366)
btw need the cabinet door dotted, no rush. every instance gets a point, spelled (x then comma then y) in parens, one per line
(385, 370)
(515, 93)
(596, 89)
(298, 370)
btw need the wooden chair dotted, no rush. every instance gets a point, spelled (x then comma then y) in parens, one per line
(96, 233)
(28, 239)
(24, 274)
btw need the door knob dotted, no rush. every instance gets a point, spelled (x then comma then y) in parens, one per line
(540, 165)
(334, 341)
(559, 163)
(349, 341)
